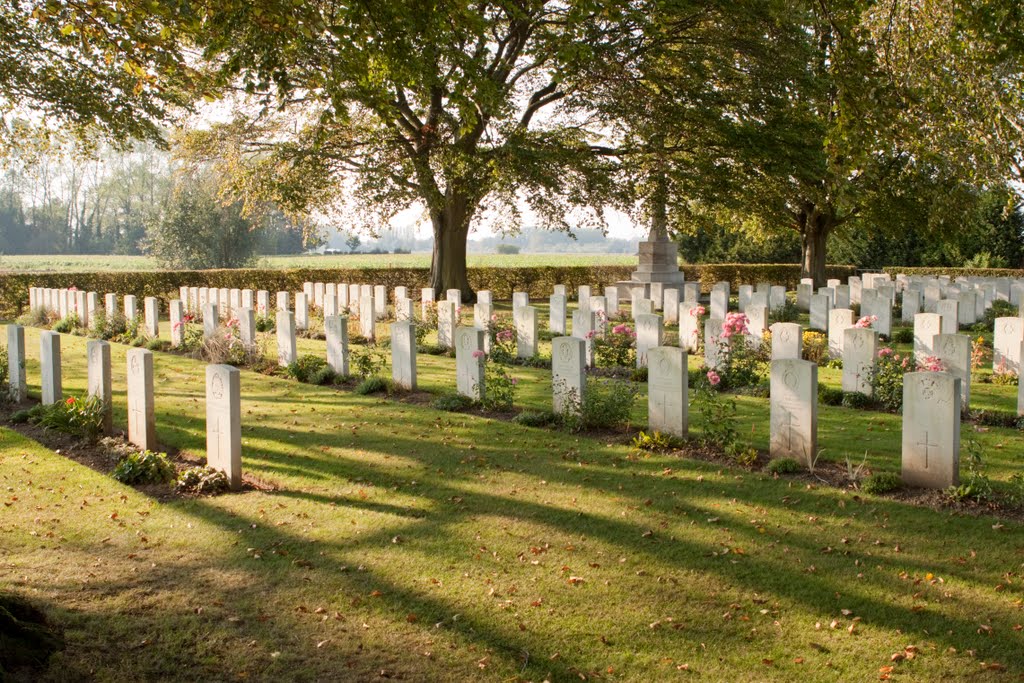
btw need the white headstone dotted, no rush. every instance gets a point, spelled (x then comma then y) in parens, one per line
(954, 352)
(568, 378)
(247, 327)
(719, 304)
(99, 381)
(777, 298)
(380, 302)
(931, 430)
(948, 310)
(839, 319)
(804, 292)
(926, 326)
(286, 353)
(210, 320)
(484, 296)
(794, 410)
(649, 332)
(131, 310)
(911, 305)
(1009, 332)
(141, 418)
(860, 348)
(110, 305)
(454, 295)
(177, 316)
(584, 324)
(820, 306)
(520, 299)
(283, 299)
(671, 306)
(301, 311)
(329, 304)
(336, 331)
(525, 320)
(744, 293)
(405, 310)
(17, 385)
(557, 307)
(152, 319)
(667, 383)
(49, 366)
(224, 422)
(757, 323)
(691, 292)
(611, 297)
(403, 355)
(583, 297)
(712, 341)
(367, 317)
(469, 362)
(248, 299)
(426, 302)
(559, 290)
(787, 341)
(689, 326)
(446, 322)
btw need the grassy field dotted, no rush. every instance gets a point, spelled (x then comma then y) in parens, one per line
(391, 540)
(74, 263)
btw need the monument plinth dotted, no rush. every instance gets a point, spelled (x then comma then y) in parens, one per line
(658, 263)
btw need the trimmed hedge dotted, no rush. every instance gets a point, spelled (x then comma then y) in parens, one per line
(955, 272)
(538, 281)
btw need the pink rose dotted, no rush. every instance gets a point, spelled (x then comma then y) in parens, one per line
(478, 354)
(713, 378)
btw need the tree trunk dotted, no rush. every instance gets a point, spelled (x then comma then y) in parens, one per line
(448, 263)
(815, 228)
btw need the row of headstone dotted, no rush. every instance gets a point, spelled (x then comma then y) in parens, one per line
(223, 394)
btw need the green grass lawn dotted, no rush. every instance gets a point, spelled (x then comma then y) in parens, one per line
(393, 540)
(83, 263)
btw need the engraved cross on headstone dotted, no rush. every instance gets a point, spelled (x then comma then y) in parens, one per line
(664, 402)
(925, 442)
(787, 424)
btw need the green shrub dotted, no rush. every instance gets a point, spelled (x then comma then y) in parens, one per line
(146, 467)
(1004, 379)
(202, 481)
(265, 323)
(789, 313)
(887, 378)
(537, 418)
(367, 361)
(81, 417)
(903, 335)
(1000, 309)
(655, 441)
(829, 396)
(499, 388)
(994, 418)
(784, 466)
(976, 485)
(744, 456)
(881, 482)
(28, 414)
(452, 402)
(67, 324)
(108, 326)
(305, 367)
(606, 404)
(373, 385)
(639, 374)
(323, 376)
(617, 348)
(855, 399)
(716, 415)
(155, 344)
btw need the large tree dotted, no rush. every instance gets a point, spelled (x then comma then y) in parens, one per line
(463, 108)
(106, 66)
